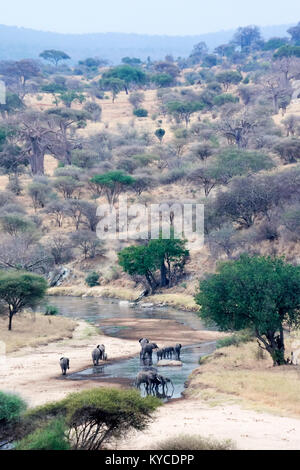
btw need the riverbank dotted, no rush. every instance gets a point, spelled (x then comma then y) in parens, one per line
(34, 329)
(176, 300)
(34, 372)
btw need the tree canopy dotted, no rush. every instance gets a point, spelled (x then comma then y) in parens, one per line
(258, 292)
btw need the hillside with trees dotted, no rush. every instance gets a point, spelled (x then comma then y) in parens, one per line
(217, 127)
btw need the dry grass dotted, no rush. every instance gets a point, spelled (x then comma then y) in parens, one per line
(183, 301)
(34, 330)
(101, 291)
(190, 442)
(242, 374)
(178, 300)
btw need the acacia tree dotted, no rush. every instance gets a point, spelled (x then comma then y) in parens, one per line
(113, 84)
(183, 110)
(258, 292)
(112, 184)
(229, 77)
(54, 56)
(19, 290)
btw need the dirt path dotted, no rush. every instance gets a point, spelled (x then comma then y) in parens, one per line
(248, 429)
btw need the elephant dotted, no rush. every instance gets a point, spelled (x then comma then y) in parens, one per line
(98, 354)
(143, 342)
(177, 351)
(64, 364)
(147, 350)
(168, 352)
(148, 378)
(160, 354)
(164, 381)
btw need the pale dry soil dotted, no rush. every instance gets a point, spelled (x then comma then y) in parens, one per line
(248, 429)
(34, 373)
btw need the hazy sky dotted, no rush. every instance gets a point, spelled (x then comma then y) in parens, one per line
(180, 17)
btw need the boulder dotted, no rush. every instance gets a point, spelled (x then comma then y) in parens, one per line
(168, 362)
(57, 277)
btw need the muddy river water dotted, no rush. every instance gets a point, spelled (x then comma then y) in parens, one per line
(94, 310)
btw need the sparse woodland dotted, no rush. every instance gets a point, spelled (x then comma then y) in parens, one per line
(219, 127)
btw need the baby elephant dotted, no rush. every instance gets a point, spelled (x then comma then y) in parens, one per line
(64, 365)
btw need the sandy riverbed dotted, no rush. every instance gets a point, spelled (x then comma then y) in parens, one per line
(35, 374)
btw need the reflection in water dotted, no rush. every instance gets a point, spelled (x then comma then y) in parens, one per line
(94, 309)
(129, 368)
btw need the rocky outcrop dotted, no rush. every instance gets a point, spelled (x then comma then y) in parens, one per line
(170, 363)
(57, 277)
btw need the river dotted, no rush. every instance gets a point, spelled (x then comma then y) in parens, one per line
(94, 310)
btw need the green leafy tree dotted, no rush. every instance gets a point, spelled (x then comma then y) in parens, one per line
(258, 292)
(69, 96)
(139, 261)
(287, 51)
(112, 184)
(128, 74)
(54, 56)
(294, 31)
(230, 77)
(166, 255)
(19, 290)
(162, 80)
(274, 43)
(171, 255)
(183, 110)
(115, 85)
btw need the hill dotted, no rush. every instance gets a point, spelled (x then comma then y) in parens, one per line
(17, 43)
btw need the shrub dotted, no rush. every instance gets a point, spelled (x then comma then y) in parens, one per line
(103, 413)
(51, 310)
(225, 98)
(50, 437)
(140, 112)
(11, 407)
(92, 279)
(235, 340)
(190, 442)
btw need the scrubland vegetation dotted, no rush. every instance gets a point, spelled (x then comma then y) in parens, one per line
(219, 128)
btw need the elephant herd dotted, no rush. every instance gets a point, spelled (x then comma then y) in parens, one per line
(162, 353)
(154, 383)
(98, 354)
(149, 375)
